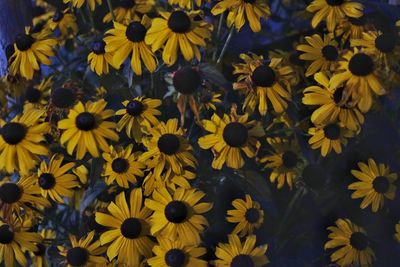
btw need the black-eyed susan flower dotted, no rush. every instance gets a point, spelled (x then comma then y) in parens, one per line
(29, 52)
(385, 46)
(15, 239)
(65, 22)
(229, 137)
(322, 53)
(176, 253)
(86, 129)
(138, 114)
(129, 223)
(241, 10)
(53, 179)
(20, 141)
(122, 166)
(329, 137)
(99, 59)
(124, 41)
(333, 11)
(167, 148)
(79, 3)
(284, 161)
(209, 99)
(247, 215)
(376, 183)
(38, 94)
(359, 72)
(352, 244)
(39, 258)
(178, 30)
(263, 84)
(83, 252)
(333, 104)
(64, 97)
(177, 215)
(351, 28)
(238, 254)
(127, 10)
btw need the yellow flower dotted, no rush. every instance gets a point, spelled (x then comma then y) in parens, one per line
(99, 59)
(65, 22)
(127, 10)
(39, 258)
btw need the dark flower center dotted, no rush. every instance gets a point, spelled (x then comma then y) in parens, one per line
(242, 261)
(385, 42)
(235, 134)
(186, 80)
(361, 21)
(41, 250)
(131, 228)
(252, 215)
(334, 2)
(77, 256)
(332, 131)
(381, 184)
(134, 108)
(58, 16)
(359, 241)
(47, 181)
(135, 32)
(168, 144)
(206, 98)
(176, 211)
(106, 196)
(98, 47)
(63, 97)
(10, 193)
(13, 133)
(179, 22)
(175, 258)
(338, 95)
(263, 76)
(85, 121)
(330, 52)
(289, 159)
(24, 41)
(361, 65)
(6, 235)
(250, 1)
(127, 3)
(33, 95)
(119, 165)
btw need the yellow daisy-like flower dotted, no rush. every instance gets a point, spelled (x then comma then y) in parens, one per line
(284, 161)
(15, 239)
(240, 10)
(123, 41)
(176, 253)
(39, 258)
(29, 52)
(397, 234)
(263, 84)
(351, 28)
(21, 141)
(130, 229)
(128, 10)
(53, 179)
(328, 137)
(83, 252)
(384, 46)
(247, 215)
(65, 22)
(209, 99)
(358, 71)
(122, 166)
(38, 94)
(229, 136)
(376, 183)
(177, 214)
(333, 104)
(138, 115)
(86, 129)
(322, 52)
(79, 3)
(178, 30)
(353, 242)
(167, 148)
(99, 59)
(235, 253)
(333, 11)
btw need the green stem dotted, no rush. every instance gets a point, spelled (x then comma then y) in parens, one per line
(110, 7)
(228, 40)
(221, 20)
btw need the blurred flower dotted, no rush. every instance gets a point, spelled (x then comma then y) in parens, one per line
(79, 3)
(127, 10)
(38, 94)
(39, 257)
(65, 22)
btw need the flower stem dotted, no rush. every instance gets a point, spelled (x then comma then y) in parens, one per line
(221, 20)
(228, 40)
(110, 7)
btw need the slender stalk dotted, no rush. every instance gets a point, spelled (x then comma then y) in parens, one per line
(228, 40)
(221, 20)
(110, 7)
